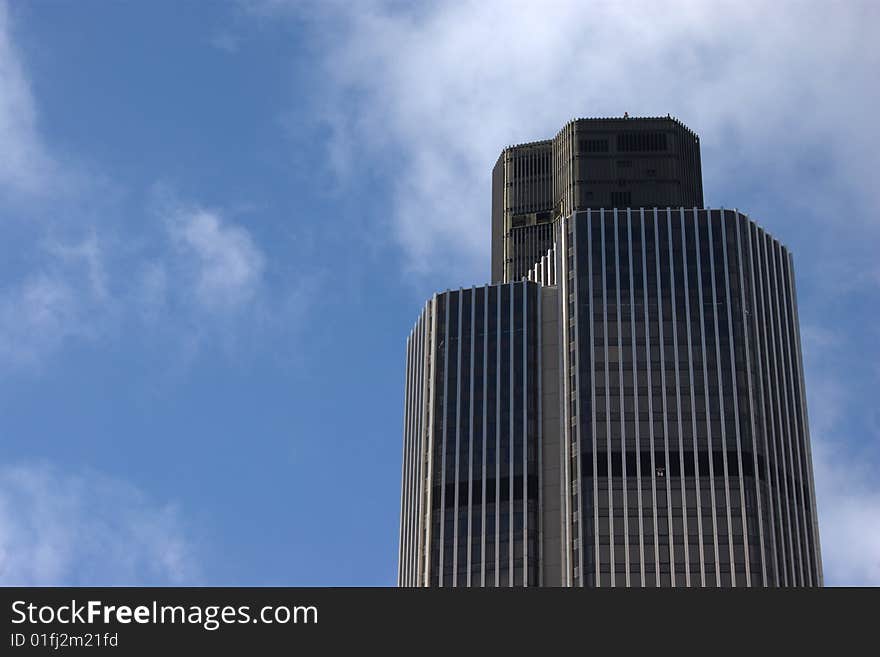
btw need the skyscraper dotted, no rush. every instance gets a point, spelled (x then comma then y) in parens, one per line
(625, 405)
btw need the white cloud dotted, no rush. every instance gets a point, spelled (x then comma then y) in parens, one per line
(64, 295)
(25, 165)
(36, 317)
(88, 253)
(151, 293)
(436, 91)
(225, 41)
(84, 528)
(845, 456)
(163, 283)
(66, 298)
(93, 280)
(224, 263)
(849, 516)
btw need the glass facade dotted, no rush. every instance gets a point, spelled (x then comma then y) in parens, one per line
(689, 453)
(471, 480)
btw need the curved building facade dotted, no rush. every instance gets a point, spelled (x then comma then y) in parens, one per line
(470, 499)
(688, 446)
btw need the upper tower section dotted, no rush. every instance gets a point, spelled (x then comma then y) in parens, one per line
(589, 164)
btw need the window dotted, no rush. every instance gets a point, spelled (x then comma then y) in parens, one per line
(621, 199)
(593, 145)
(641, 141)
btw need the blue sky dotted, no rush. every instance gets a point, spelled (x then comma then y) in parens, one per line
(219, 221)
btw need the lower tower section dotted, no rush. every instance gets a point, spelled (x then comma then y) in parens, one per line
(474, 447)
